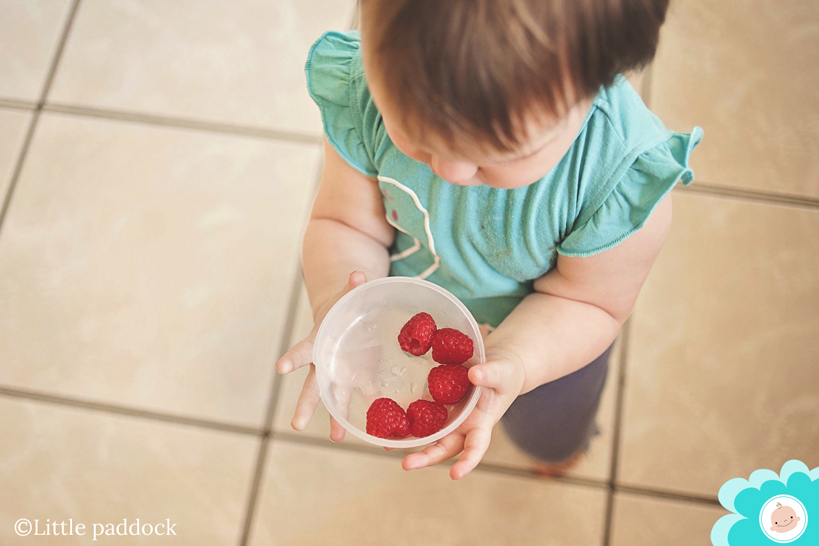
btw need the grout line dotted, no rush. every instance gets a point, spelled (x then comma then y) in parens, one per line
(35, 396)
(312, 441)
(261, 458)
(284, 344)
(492, 468)
(52, 70)
(618, 423)
(304, 138)
(725, 191)
(671, 495)
(350, 447)
(18, 167)
(258, 472)
(489, 468)
(618, 411)
(292, 310)
(21, 158)
(184, 123)
(751, 195)
(18, 104)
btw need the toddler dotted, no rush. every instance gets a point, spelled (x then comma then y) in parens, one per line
(494, 148)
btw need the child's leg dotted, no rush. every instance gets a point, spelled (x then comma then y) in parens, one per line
(556, 420)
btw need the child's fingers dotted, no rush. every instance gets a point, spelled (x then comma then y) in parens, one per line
(444, 449)
(308, 400)
(475, 446)
(356, 279)
(336, 430)
(300, 354)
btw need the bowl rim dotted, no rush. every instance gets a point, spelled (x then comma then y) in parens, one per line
(478, 358)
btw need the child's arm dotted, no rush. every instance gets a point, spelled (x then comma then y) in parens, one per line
(347, 232)
(574, 315)
(579, 306)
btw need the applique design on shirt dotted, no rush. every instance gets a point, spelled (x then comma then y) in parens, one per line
(403, 204)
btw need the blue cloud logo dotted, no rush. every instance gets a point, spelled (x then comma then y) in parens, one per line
(770, 509)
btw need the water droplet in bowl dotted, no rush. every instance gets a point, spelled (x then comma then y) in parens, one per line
(398, 371)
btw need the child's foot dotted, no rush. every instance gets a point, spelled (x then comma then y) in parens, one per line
(558, 469)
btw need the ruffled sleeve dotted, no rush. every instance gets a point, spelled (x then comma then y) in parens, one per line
(632, 200)
(333, 66)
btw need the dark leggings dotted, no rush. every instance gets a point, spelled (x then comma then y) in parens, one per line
(554, 421)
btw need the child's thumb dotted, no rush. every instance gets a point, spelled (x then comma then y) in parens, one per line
(494, 374)
(357, 278)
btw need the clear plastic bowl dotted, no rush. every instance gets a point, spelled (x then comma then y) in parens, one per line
(358, 358)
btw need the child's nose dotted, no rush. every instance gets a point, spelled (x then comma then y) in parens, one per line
(455, 172)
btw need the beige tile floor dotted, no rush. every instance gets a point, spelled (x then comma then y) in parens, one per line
(157, 160)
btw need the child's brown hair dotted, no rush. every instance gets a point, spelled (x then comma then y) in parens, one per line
(480, 67)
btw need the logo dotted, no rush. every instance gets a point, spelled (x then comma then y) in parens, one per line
(770, 508)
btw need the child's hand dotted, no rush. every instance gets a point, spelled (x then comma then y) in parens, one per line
(301, 354)
(501, 379)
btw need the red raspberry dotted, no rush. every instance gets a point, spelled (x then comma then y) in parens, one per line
(426, 417)
(448, 383)
(416, 335)
(450, 346)
(386, 419)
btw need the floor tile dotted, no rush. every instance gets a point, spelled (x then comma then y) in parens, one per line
(721, 372)
(151, 267)
(324, 495)
(238, 62)
(29, 33)
(746, 74)
(63, 463)
(648, 521)
(13, 127)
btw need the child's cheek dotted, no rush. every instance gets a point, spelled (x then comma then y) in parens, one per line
(409, 150)
(419, 156)
(415, 154)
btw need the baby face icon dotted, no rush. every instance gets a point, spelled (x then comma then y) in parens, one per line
(783, 519)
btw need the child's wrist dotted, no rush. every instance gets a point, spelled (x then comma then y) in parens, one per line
(513, 359)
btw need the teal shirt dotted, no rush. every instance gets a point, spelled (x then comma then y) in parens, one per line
(487, 245)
